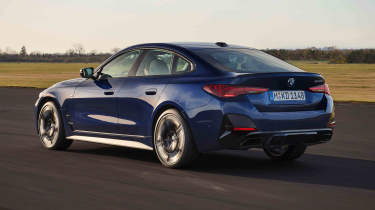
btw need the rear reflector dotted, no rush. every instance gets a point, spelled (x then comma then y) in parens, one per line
(331, 121)
(244, 129)
(332, 124)
(229, 91)
(320, 89)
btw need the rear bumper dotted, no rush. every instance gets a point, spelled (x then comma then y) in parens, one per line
(245, 140)
(208, 123)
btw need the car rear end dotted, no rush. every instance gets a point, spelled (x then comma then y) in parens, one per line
(274, 104)
(263, 107)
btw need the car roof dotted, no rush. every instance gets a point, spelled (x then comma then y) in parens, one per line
(191, 45)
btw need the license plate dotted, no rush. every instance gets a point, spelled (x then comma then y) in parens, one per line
(287, 95)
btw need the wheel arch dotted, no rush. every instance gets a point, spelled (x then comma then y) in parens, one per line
(40, 104)
(165, 106)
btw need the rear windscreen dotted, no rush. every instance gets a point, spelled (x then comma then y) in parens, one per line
(244, 61)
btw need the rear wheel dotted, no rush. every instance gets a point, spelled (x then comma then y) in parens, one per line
(173, 142)
(51, 128)
(284, 152)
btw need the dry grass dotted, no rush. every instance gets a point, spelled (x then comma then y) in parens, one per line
(40, 75)
(348, 82)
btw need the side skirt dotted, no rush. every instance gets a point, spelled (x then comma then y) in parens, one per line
(111, 141)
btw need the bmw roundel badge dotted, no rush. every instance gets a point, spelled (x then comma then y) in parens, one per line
(291, 82)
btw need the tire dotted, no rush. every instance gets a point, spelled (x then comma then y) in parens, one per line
(51, 128)
(291, 152)
(173, 143)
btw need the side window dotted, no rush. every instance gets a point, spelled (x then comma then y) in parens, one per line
(182, 65)
(156, 62)
(121, 65)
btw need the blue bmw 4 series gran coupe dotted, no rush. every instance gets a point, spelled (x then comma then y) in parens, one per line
(182, 99)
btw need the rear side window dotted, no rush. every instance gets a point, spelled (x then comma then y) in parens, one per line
(245, 61)
(182, 65)
(156, 62)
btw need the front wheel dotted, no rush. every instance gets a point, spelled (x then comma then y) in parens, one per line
(51, 128)
(284, 152)
(173, 142)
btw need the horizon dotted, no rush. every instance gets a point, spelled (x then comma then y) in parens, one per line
(55, 27)
(17, 51)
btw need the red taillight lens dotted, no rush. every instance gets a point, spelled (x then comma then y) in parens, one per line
(244, 129)
(228, 91)
(320, 89)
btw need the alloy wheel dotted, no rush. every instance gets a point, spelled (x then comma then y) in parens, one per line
(169, 139)
(48, 125)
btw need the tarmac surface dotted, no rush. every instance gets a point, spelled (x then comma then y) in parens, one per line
(336, 175)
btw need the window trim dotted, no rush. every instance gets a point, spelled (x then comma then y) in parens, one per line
(142, 54)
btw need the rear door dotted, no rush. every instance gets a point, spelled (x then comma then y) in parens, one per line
(94, 106)
(139, 96)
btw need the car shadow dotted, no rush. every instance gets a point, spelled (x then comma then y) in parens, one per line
(310, 168)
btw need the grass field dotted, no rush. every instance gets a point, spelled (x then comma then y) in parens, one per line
(40, 75)
(348, 82)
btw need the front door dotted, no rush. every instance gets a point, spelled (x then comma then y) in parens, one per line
(94, 106)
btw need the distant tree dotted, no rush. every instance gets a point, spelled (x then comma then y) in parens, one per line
(361, 56)
(79, 49)
(337, 57)
(370, 56)
(36, 53)
(23, 51)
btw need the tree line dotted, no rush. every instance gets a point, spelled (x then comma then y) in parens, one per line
(54, 57)
(330, 54)
(78, 54)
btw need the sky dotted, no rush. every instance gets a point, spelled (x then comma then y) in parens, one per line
(101, 25)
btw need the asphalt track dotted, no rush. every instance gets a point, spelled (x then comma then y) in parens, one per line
(337, 175)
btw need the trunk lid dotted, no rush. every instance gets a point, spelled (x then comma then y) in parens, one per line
(286, 84)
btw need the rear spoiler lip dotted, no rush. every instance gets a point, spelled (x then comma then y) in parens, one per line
(276, 73)
(272, 74)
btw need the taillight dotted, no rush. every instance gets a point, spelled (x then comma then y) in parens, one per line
(320, 89)
(229, 91)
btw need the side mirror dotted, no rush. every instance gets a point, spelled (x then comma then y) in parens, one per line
(87, 72)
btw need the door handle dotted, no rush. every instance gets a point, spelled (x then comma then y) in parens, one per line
(151, 91)
(108, 93)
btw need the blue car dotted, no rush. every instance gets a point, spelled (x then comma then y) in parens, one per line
(183, 99)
